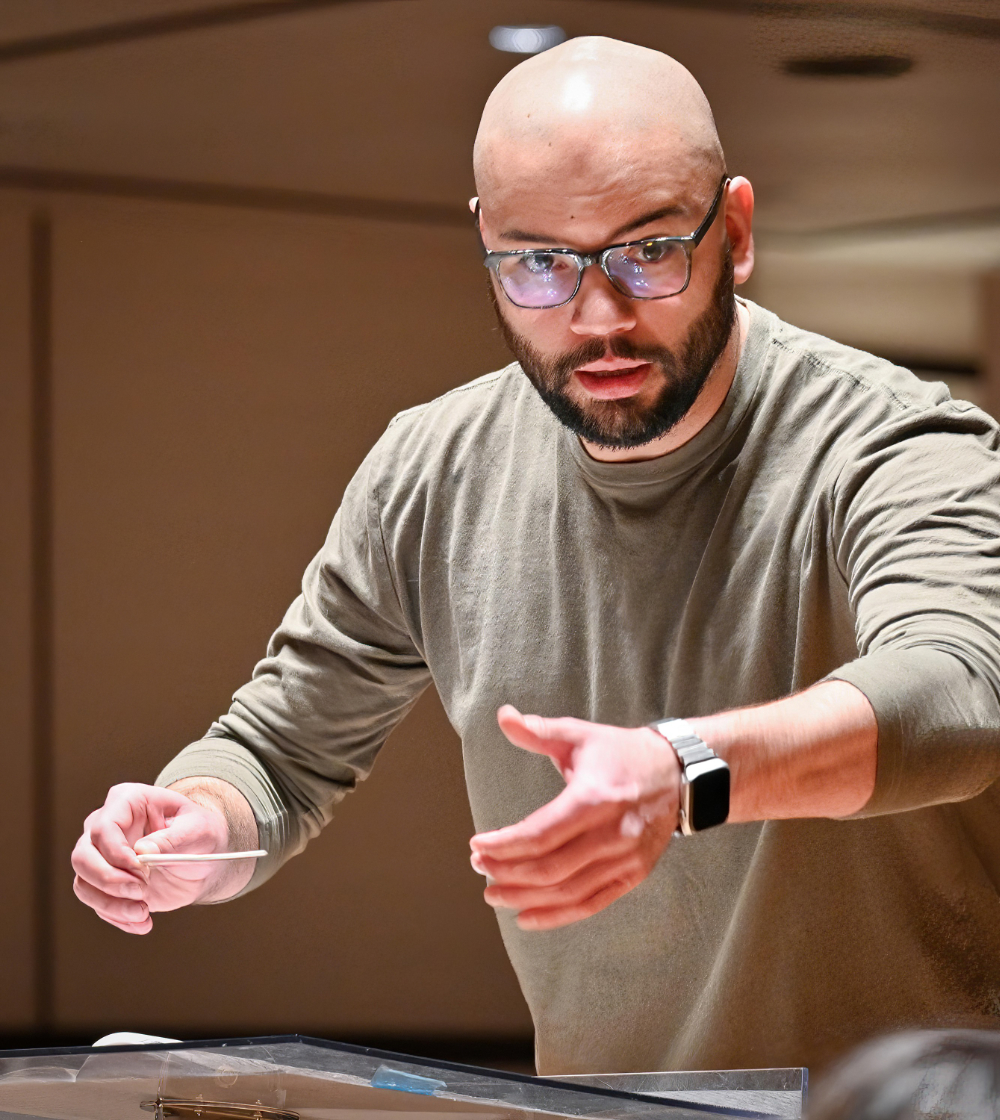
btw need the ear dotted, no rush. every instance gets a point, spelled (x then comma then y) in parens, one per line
(473, 202)
(739, 227)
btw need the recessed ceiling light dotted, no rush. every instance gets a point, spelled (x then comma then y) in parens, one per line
(526, 38)
(849, 66)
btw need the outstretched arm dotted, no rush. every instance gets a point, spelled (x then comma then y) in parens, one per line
(808, 755)
(341, 671)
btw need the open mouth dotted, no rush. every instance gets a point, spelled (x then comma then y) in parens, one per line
(614, 378)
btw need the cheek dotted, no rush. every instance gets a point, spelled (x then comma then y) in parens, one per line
(666, 321)
(547, 331)
(707, 266)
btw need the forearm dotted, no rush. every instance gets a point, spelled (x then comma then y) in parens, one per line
(809, 755)
(213, 793)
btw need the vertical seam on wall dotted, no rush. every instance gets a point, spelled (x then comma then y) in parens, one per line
(42, 612)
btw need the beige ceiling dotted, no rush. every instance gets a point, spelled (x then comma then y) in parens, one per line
(380, 100)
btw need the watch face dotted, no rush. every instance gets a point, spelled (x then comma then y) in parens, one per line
(710, 796)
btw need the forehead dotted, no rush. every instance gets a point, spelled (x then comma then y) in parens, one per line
(585, 190)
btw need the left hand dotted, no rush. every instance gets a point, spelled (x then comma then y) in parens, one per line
(599, 838)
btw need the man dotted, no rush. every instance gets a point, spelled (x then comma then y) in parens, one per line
(674, 505)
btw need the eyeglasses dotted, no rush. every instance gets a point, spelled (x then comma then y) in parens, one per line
(653, 268)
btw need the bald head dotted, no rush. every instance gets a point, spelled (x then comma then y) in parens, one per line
(596, 114)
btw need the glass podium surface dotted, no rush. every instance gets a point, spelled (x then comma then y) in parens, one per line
(768, 1092)
(296, 1078)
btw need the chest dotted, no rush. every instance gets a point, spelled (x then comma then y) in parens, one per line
(717, 590)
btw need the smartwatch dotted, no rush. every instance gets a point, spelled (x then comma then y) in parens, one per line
(704, 778)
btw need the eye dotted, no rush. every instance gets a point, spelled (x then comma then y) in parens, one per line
(652, 251)
(539, 263)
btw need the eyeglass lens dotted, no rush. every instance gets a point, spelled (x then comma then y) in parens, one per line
(539, 279)
(648, 270)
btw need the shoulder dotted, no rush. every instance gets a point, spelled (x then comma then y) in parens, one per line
(461, 434)
(487, 395)
(858, 397)
(858, 425)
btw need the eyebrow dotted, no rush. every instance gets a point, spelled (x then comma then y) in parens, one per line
(524, 235)
(672, 211)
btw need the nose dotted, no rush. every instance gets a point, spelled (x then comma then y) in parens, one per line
(599, 308)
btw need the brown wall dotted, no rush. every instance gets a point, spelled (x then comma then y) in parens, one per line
(217, 375)
(17, 910)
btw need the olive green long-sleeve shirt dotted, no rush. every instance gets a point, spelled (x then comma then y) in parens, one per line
(837, 517)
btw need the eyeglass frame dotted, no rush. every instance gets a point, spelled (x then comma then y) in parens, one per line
(688, 242)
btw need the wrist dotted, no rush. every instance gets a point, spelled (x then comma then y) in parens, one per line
(217, 826)
(704, 777)
(230, 827)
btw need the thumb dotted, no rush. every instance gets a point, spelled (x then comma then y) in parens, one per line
(557, 738)
(186, 833)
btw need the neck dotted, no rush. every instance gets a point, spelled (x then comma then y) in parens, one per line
(706, 405)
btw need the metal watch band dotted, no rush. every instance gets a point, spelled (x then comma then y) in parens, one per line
(680, 735)
(690, 750)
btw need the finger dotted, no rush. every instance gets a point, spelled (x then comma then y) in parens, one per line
(189, 833)
(108, 907)
(129, 812)
(194, 832)
(140, 809)
(573, 891)
(554, 867)
(177, 840)
(548, 828)
(556, 738)
(114, 827)
(132, 927)
(556, 917)
(91, 865)
(111, 843)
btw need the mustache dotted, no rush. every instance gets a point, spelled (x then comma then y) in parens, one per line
(561, 369)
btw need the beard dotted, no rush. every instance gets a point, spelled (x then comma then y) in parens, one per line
(628, 423)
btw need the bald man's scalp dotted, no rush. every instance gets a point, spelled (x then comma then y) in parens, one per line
(595, 101)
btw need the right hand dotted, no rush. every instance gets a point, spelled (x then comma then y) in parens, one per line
(134, 819)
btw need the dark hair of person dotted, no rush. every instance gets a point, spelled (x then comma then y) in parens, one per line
(937, 1075)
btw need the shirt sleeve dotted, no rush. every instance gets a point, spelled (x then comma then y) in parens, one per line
(916, 526)
(341, 671)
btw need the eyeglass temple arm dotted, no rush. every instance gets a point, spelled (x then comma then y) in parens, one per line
(479, 233)
(712, 214)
